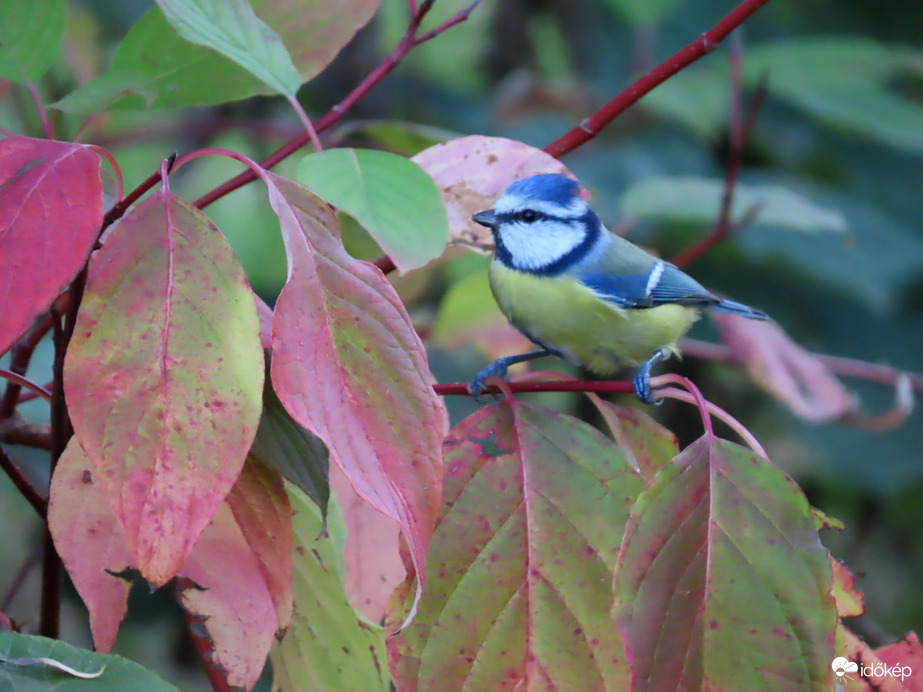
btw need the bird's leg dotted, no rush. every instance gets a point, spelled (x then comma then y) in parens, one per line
(498, 369)
(642, 381)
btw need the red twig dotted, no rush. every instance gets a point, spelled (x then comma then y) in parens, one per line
(409, 41)
(25, 488)
(706, 43)
(740, 129)
(20, 356)
(47, 129)
(14, 378)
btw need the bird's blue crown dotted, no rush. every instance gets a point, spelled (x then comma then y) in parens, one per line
(550, 187)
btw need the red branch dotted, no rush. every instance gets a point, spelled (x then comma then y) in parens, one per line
(409, 41)
(706, 43)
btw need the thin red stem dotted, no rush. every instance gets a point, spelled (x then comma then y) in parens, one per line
(25, 382)
(739, 133)
(20, 357)
(47, 129)
(706, 43)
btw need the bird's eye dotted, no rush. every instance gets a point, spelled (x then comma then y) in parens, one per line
(528, 215)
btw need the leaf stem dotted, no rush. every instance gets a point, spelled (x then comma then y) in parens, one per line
(706, 43)
(47, 129)
(25, 382)
(305, 121)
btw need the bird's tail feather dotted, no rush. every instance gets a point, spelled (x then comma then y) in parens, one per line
(740, 309)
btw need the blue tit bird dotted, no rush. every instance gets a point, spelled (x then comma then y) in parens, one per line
(582, 293)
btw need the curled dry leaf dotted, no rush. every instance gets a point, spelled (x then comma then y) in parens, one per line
(793, 375)
(471, 172)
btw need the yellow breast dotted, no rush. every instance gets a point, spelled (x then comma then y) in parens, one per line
(561, 314)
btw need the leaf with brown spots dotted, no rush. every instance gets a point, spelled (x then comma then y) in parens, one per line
(164, 377)
(521, 561)
(722, 582)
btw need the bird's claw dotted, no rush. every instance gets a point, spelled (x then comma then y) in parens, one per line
(478, 384)
(642, 380)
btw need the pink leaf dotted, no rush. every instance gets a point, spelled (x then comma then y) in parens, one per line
(51, 209)
(373, 562)
(265, 314)
(907, 653)
(349, 366)
(791, 374)
(471, 172)
(262, 511)
(229, 597)
(224, 579)
(90, 542)
(164, 377)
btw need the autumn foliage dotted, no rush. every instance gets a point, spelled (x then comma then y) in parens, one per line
(192, 426)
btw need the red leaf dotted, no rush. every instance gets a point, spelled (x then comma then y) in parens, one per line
(471, 172)
(372, 555)
(722, 580)
(646, 444)
(908, 654)
(349, 366)
(784, 369)
(262, 511)
(51, 209)
(224, 579)
(90, 542)
(164, 377)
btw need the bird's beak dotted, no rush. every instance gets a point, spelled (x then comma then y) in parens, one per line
(486, 218)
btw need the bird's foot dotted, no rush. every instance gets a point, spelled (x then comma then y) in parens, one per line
(642, 380)
(496, 369)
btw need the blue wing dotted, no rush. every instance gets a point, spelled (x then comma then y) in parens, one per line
(662, 283)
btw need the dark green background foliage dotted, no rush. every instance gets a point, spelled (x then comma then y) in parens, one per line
(842, 125)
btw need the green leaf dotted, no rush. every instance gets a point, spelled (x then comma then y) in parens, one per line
(328, 646)
(117, 673)
(231, 28)
(697, 200)
(107, 90)
(295, 452)
(697, 98)
(30, 35)
(185, 74)
(643, 12)
(722, 581)
(844, 82)
(396, 201)
(521, 561)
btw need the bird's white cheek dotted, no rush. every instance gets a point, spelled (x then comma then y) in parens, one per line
(533, 247)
